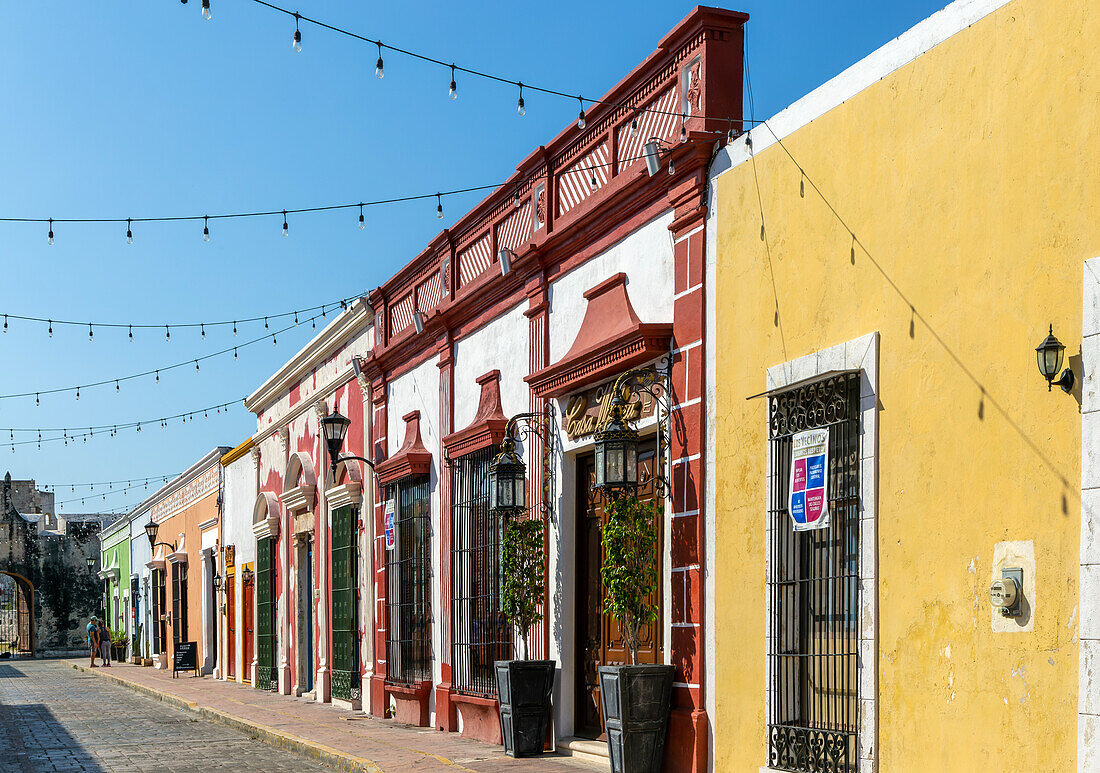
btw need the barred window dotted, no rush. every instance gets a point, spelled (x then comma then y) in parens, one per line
(481, 632)
(408, 582)
(813, 587)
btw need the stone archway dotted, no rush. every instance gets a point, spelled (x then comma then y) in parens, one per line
(17, 631)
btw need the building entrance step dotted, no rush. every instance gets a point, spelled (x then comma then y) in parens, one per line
(586, 750)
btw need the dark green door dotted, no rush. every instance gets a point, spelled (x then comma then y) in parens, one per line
(345, 639)
(266, 678)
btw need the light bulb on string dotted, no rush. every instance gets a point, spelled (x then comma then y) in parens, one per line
(296, 41)
(90, 334)
(453, 93)
(438, 207)
(167, 334)
(671, 167)
(295, 318)
(158, 376)
(5, 323)
(362, 222)
(378, 71)
(234, 327)
(196, 365)
(286, 228)
(49, 235)
(49, 322)
(206, 10)
(117, 388)
(202, 331)
(683, 128)
(520, 107)
(36, 399)
(131, 333)
(129, 233)
(234, 353)
(206, 229)
(78, 393)
(581, 123)
(274, 342)
(634, 124)
(265, 324)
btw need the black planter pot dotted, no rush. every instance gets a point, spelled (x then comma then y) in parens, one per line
(635, 715)
(524, 688)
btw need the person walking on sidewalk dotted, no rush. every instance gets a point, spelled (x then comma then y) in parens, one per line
(93, 639)
(105, 643)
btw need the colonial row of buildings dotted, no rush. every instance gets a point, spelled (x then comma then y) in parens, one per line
(864, 277)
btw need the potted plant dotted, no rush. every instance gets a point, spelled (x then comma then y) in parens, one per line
(524, 686)
(118, 645)
(635, 698)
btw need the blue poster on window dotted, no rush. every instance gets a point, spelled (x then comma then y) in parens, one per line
(387, 522)
(809, 498)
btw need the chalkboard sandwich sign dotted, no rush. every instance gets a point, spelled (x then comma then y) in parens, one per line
(185, 657)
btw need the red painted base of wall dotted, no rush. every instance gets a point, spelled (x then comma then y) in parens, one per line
(686, 745)
(446, 718)
(378, 700)
(410, 702)
(480, 717)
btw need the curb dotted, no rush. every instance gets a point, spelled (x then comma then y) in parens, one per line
(334, 758)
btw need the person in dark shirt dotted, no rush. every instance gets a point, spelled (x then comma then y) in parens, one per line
(93, 639)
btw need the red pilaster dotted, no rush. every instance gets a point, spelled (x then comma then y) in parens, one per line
(446, 717)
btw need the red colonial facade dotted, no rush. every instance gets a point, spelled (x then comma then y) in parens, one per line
(603, 272)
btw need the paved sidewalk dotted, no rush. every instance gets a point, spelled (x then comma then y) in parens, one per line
(346, 740)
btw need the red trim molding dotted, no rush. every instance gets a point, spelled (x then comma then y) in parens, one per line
(611, 339)
(488, 425)
(411, 459)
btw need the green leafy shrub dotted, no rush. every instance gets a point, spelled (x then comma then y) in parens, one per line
(522, 568)
(629, 570)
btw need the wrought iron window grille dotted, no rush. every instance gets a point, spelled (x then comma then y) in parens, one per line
(408, 583)
(813, 588)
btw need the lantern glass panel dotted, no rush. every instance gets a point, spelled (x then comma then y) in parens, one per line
(521, 490)
(614, 463)
(631, 462)
(505, 489)
(1050, 360)
(601, 479)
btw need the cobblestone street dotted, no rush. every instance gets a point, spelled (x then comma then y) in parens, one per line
(53, 718)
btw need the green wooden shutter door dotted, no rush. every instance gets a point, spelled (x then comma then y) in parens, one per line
(266, 678)
(345, 645)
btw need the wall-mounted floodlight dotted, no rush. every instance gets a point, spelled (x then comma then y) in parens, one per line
(418, 320)
(506, 256)
(652, 151)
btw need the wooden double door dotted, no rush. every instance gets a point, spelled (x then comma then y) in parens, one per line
(599, 640)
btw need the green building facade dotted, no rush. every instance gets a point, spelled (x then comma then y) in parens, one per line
(115, 574)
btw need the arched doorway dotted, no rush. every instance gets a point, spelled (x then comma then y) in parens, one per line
(16, 615)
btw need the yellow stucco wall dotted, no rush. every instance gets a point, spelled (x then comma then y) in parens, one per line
(973, 176)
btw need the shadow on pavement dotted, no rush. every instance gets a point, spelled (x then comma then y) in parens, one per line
(32, 739)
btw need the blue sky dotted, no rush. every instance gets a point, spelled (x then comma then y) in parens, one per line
(133, 109)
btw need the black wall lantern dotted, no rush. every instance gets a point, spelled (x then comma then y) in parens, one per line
(616, 452)
(508, 479)
(217, 582)
(91, 563)
(335, 428)
(151, 532)
(247, 575)
(1049, 356)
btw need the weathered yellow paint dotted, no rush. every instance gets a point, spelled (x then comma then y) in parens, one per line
(971, 175)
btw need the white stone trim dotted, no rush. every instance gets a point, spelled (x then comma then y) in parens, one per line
(889, 58)
(298, 498)
(357, 317)
(1088, 692)
(860, 354)
(343, 495)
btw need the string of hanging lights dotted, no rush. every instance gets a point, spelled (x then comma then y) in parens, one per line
(55, 487)
(168, 327)
(106, 494)
(379, 71)
(157, 371)
(84, 433)
(729, 136)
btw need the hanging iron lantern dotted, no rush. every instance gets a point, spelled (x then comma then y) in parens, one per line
(151, 531)
(616, 452)
(508, 480)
